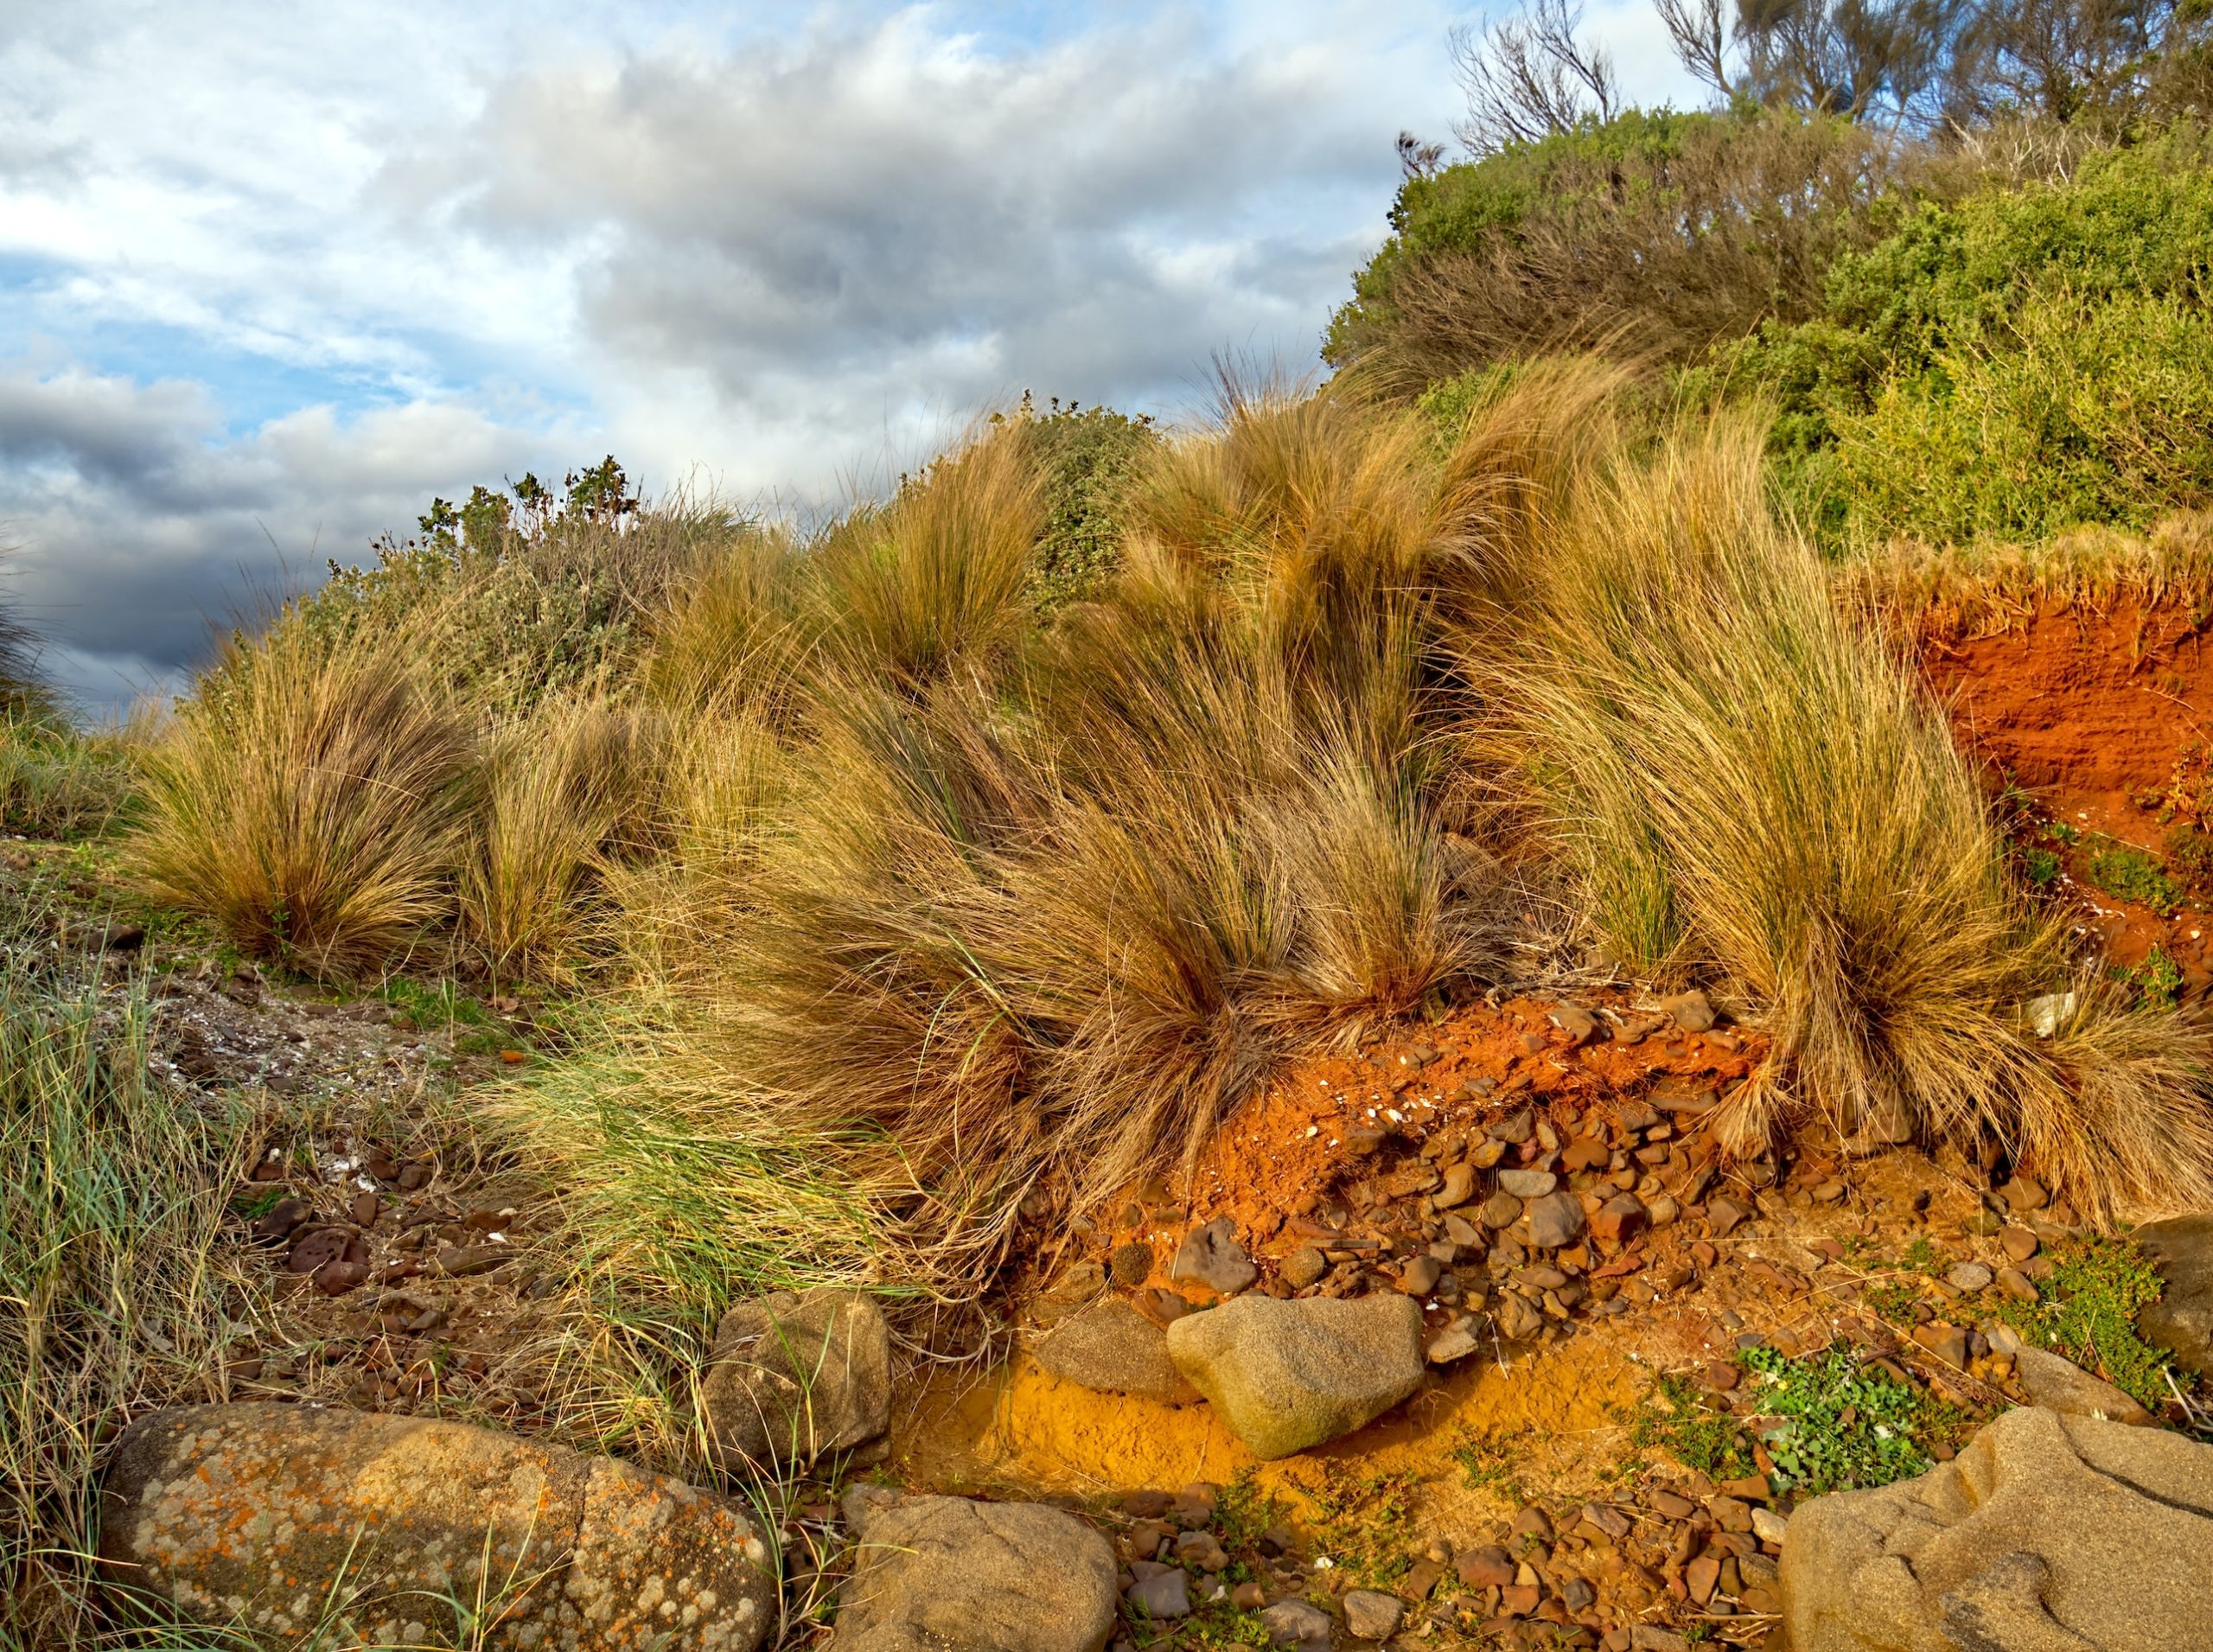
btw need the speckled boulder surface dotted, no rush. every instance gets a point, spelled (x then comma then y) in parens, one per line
(946, 1574)
(1285, 1375)
(269, 1516)
(795, 1376)
(2047, 1534)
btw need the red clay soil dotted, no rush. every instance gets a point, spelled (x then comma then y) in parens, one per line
(2091, 713)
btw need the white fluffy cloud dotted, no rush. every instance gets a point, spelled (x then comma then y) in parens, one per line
(276, 275)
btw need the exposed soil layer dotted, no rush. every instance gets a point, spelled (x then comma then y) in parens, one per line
(2101, 722)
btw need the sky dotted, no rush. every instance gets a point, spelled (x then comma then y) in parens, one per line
(272, 275)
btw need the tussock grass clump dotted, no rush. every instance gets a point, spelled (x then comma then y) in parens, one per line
(1035, 906)
(1744, 782)
(558, 791)
(311, 800)
(111, 1300)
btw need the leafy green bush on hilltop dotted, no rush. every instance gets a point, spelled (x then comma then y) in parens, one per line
(2019, 361)
(1656, 232)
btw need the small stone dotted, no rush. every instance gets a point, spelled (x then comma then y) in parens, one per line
(414, 1176)
(364, 1210)
(2016, 1285)
(1692, 1012)
(1946, 1342)
(1700, 1576)
(1459, 1187)
(1768, 1526)
(1501, 1210)
(1303, 1267)
(1555, 1220)
(1531, 1521)
(1664, 1211)
(2062, 1386)
(1213, 1257)
(1514, 1130)
(1295, 1623)
(1373, 1616)
(1672, 1506)
(1490, 1567)
(1527, 1184)
(1162, 1307)
(1969, 1276)
(1517, 1318)
(1456, 1342)
(336, 1278)
(1724, 1216)
(1578, 1596)
(1248, 1596)
(1620, 1218)
(1164, 1595)
(795, 1376)
(1650, 1637)
(2024, 1194)
(1111, 1348)
(1604, 1517)
(1420, 1277)
(1130, 1265)
(2019, 1243)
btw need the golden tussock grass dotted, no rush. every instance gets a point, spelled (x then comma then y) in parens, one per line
(309, 799)
(1747, 783)
(1943, 594)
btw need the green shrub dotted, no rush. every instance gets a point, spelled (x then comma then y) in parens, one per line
(2129, 874)
(1092, 459)
(1657, 231)
(2087, 1311)
(2020, 360)
(1845, 1428)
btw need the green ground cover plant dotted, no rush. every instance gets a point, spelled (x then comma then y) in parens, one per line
(1847, 1427)
(2086, 1311)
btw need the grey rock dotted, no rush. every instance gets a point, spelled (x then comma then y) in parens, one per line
(1285, 1375)
(1527, 1184)
(2047, 1532)
(1112, 1348)
(270, 1515)
(796, 1377)
(947, 1574)
(1692, 1011)
(1555, 1220)
(1298, 1623)
(1969, 1276)
(1212, 1256)
(2063, 1385)
(2181, 1321)
(1456, 1342)
(1167, 1594)
(1372, 1615)
(1518, 1319)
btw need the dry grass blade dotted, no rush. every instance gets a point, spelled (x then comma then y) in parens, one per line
(310, 800)
(1746, 781)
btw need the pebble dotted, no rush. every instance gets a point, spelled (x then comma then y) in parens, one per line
(1420, 1277)
(1456, 1342)
(1212, 1256)
(1130, 1265)
(1501, 1210)
(1373, 1616)
(1303, 1267)
(1692, 1012)
(1489, 1567)
(1166, 1593)
(1527, 1184)
(1555, 1220)
(2019, 1243)
(1969, 1276)
(1295, 1623)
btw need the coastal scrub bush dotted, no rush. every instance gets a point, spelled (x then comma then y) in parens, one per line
(2013, 362)
(1655, 234)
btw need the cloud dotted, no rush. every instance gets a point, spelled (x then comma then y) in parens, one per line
(142, 532)
(887, 221)
(275, 280)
